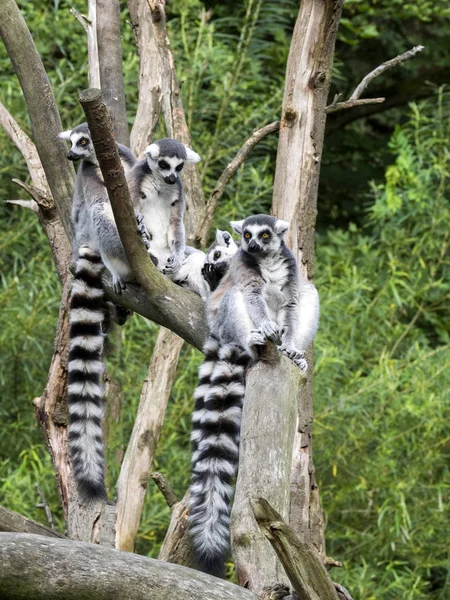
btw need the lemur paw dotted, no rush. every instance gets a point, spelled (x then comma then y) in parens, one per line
(295, 355)
(172, 266)
(256, 338)
(271, 331)
(118, 285)
(143, 231)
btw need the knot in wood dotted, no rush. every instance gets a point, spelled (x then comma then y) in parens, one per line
(290, 116)
(276, 526)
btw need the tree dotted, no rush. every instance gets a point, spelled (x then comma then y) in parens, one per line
(296, 180)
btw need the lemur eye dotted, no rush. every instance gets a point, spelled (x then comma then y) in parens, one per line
(217, 255)
(265, 235)
(247, 235)
(83, 142)
(179, 167)
(163, 165)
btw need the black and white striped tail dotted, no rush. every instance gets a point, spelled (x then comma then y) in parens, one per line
(86, 367)
(215, 445)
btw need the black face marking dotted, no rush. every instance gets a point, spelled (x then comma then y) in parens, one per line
(179, 167)
(217, 255)
(265, 235)
(163, 165)
(83, 142)
(247, 235)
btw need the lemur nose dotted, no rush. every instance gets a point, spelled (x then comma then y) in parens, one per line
(253, 247)
(170, 179)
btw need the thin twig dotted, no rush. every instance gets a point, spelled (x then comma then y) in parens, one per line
(228, 173)
(386, 66)
(45, 506)
(81, 18)
(31, 204)
(165, 489)
(38, 195)
(351, 104)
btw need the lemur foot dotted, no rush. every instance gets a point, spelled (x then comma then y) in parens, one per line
(172, 266)
(118, 285)
(295, 355)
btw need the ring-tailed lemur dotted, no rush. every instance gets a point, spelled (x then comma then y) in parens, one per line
(218, 258)
(96, 244)
(260, 298)
(157, 193)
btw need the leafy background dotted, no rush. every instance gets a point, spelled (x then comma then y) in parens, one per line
(382, 353)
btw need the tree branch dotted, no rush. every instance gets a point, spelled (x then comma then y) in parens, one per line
(165, 488)
(351, 104)
(13, 522)
(110, 61)
(175, 308)
(33, 567)
(301, 562)
(386, 66)
(229, 171)
(133, 479)
(40, 101)
(89, 24)
(150, 74)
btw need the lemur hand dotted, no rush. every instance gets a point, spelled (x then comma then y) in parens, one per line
(172, 265)
(118, 284)
(271, 331)
(142, 230)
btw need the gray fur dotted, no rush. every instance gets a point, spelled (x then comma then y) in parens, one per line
(92, 216)
(259, 298)
(157, 193)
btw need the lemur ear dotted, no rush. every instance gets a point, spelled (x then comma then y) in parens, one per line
(223, 238)
(152, 151)
(281, 227)
(237, 226)
(191, 156)
(65, 135)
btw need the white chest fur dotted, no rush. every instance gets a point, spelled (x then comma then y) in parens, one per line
(156, 207)
(274, 271)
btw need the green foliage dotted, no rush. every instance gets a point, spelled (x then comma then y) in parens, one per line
(382, 374)
(382, 353)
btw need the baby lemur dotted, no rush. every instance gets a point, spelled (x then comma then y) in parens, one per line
(259, 298)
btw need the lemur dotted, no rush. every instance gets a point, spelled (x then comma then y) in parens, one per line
(259, 298)
(157, 193)
(96, 244)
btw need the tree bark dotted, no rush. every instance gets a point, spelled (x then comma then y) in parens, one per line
(41, 105)
(13, 522)
(150, 74)
(33, 567)
(302, 129)
(134, 473)
(110, 61)
(301, 562)
(267, 434)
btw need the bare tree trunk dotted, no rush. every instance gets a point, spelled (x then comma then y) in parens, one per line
(33, 567)
(110, 61)
(302, 129)
(267, 434)
(133, 479)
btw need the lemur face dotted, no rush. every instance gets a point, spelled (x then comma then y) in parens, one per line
(80, 138)
(222, 249)
(166, 158)
(260, 233)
